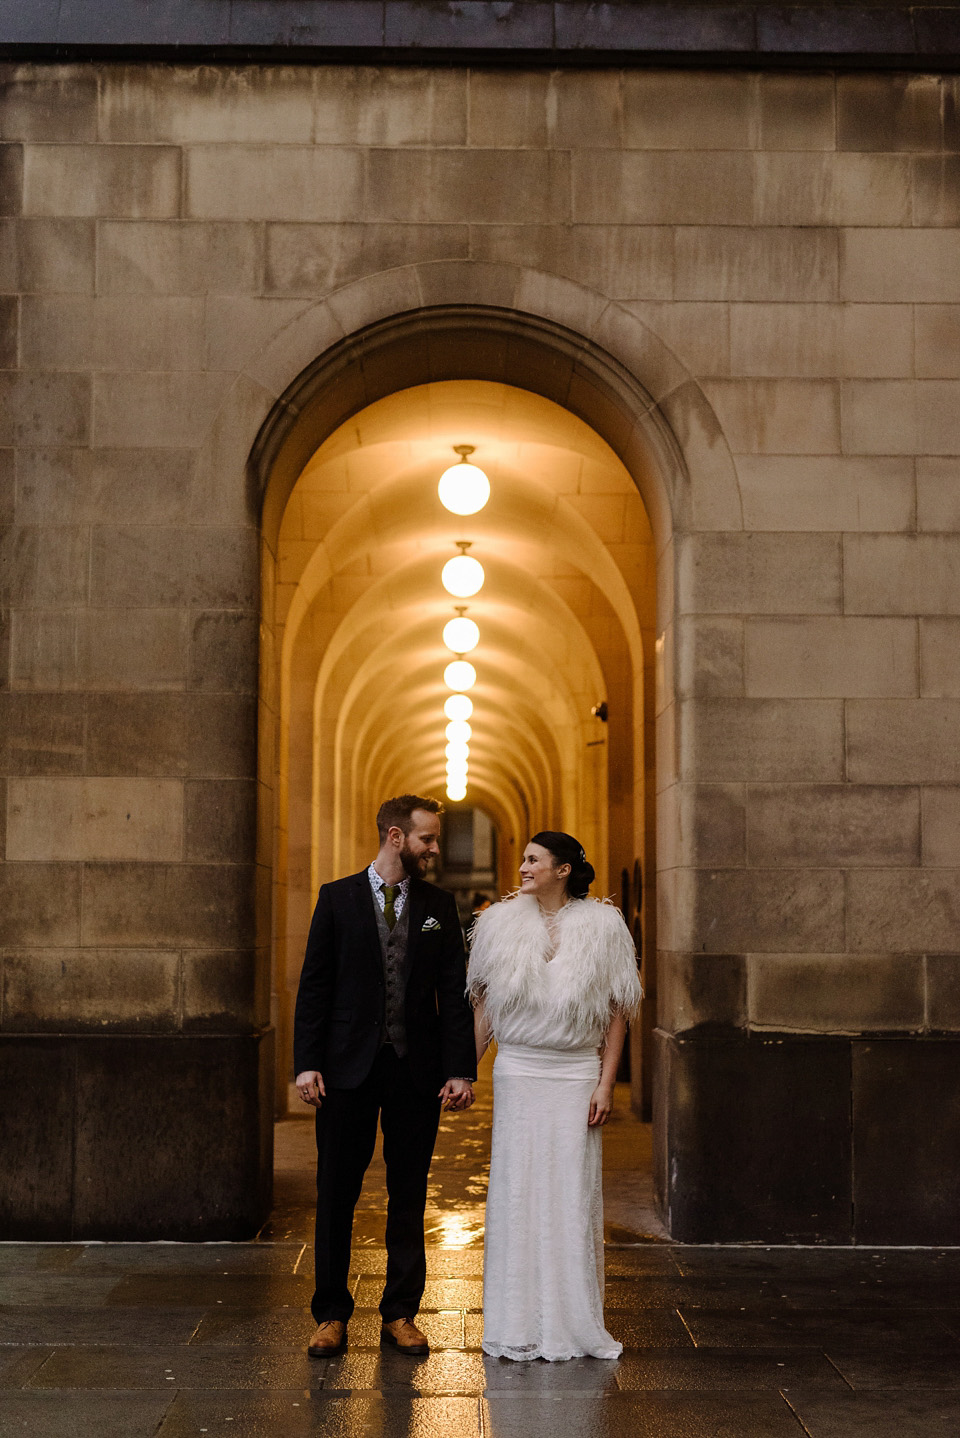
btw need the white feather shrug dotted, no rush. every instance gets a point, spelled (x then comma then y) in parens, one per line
(594, 969)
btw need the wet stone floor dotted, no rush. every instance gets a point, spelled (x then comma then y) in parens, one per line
(129, 1340)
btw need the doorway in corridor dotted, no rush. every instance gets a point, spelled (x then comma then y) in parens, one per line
(354, 658)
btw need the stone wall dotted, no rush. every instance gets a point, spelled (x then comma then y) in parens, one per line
(789, 240)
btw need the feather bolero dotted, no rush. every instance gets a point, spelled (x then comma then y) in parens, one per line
(596, 962)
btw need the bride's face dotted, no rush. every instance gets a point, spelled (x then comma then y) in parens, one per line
(541, 875)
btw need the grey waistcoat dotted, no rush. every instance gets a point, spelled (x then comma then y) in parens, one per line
(393, 950)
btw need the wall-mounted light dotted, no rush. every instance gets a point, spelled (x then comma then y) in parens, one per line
(463, 488)
(463, 576)
(600, 711)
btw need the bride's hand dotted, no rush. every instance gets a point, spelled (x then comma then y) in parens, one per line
(601, 1104)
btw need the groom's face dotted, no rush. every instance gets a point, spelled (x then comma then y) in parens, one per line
(421, 844)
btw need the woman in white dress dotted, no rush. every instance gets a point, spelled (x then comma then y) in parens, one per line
(553, 977)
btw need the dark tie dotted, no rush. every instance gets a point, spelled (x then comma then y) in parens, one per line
(390, 892)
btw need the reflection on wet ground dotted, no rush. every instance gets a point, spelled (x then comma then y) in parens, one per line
(129, 1340)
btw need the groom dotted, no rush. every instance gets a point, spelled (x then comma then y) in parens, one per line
(382, 1030)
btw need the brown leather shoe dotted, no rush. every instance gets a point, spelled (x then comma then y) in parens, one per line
(404, 1335)
(330, 1338)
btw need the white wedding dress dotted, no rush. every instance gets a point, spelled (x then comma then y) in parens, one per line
(543, 1250)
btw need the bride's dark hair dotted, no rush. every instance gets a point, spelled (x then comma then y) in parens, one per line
(568, 850)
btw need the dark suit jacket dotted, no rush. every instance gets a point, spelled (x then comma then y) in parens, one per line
(341, 999)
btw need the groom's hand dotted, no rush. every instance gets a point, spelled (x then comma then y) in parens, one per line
(456, 1094)
(310, 1087)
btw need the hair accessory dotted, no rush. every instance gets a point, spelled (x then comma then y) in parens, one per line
(583, 857)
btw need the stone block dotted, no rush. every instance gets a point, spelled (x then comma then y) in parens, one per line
(836, 993)
(11, 179)
(823, 493)
(132, 648)
(938, 417)
(938, 494)
(49, 103)
(894, 1083)
(777, 416)
(833, 189)
(221, 821)
(151, 566)
(103, 486)
(197, 736)
(8, 488)
(41, 567)
(903, 741)
(407, 26)
(835, 658)
(467, 186)
(797, 111)
(311, 260)
(167, 905)
(8, 255)
(113, 333)
(723, 262)
(508, 110)
(378, 105)
(906, 911)
(82, 818)
(41, 733)
(785, 340)
(219, 990)
(155, 411)
(729, 1104)
(731, 740)
(701, 992)
(938, 341)
(764, 910)
(901, 574)
(709, 658)
(759, 574)
(224, 647)
(662, 188)
(941, 826)
(888, 112)
(624, 262)
(39, 905)
(943, 992)
(57, 256)
(38, 1129)
(802, 826)
(9, 331)
(137, 182)
(940, 658)
(237, 104)
(889, 265)
(72, 990)
(178, 258)
(43, 648)
(936, 190)
(698, 334)
(698, 110)
(50, 409)
(584, 109)
(703, 825)
(263, 182)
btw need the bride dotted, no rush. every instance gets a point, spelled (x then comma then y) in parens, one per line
(553, 977)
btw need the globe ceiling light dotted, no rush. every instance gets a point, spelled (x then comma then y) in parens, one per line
(463, 488)
(457, 753)
(458, 731)
(457, 777)
(456, 792)
(461, 635)
(462, 577)
(460, 675)
(458, 707)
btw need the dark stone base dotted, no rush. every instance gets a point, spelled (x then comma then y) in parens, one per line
(779, 1138)
(137, 1138)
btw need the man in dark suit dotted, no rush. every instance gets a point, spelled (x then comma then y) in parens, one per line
(382, 1030)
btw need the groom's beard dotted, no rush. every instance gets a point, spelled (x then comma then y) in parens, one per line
(414, 866)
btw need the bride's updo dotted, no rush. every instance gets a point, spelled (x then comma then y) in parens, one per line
(568, 850)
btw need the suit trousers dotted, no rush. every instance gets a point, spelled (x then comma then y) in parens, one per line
(346, 1136)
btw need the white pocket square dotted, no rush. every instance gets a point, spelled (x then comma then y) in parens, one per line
(429, 924)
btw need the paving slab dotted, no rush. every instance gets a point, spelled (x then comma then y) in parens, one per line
(139, 1368)
(44, 1287)
(208, 1289)
(446, 1372)
(37, 1257)
(296, 1414)
(877, 1369)
(653, 1415)
(931, 1413)
(769, 1327)
(197, 1258)
(82, 1415)
(66, 1327)
(708, 1369)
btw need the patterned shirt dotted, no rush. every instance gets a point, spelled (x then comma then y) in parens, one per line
(378, 885)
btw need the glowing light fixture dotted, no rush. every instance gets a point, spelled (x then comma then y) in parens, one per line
(460, 675)
(458, 707)
(462, 577)
(458, 731)
(461, 635)
(457, 753)
(463, 488)
(456, 792)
